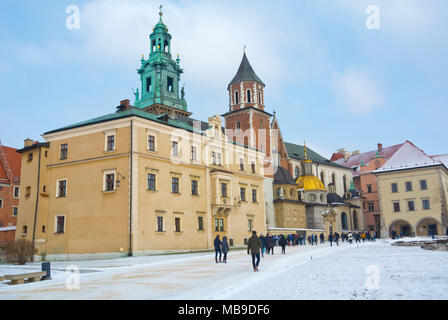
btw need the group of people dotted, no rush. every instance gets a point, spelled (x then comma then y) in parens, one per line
(261, 245)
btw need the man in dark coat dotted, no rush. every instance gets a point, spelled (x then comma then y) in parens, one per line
(322, 238)
(270, 244)
(217, 244)
(336, 238)
(282, 242)
(330, 238)
(225, 248)
(254, 246)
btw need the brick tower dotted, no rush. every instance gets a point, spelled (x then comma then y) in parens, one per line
(246, 120)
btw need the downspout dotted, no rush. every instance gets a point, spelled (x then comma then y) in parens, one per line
(130, 187)
(37, 198)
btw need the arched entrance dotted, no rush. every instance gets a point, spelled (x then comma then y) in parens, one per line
(426, 225)
(344, 223)
(401, 227)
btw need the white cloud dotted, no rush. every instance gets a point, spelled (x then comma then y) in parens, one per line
(357, 91)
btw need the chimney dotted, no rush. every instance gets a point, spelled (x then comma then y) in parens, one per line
(380, 147)
(28, 142)
(125, 103)
(345, 153)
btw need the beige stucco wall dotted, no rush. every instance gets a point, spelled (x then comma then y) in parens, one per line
(433, 177)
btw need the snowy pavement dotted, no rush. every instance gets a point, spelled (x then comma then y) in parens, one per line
(358, 271)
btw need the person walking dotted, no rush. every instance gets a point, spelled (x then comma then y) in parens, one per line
(270, 244)
(282, 242)
(254, 247)
(336, 238)
(315, 239)
(263, 244)
(330, 238)
(225, 249)
(350, 238)
(217, 244)
(322, 238)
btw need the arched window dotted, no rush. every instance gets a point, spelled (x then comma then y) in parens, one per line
(153, 45)
(345, 183)
(333, 179)
(261, 123)
(165, 46)
(344, 221)
(236, 97)
(249, 97)
(296, 172)
(355, 220)
(259, 97)
(322, 177)
(238, 125)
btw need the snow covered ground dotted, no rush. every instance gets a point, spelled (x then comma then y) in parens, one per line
(305, 272)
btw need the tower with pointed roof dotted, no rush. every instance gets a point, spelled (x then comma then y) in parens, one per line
(247, 118)
(160, 75)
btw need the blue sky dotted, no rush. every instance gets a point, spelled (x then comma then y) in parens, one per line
(331, 81)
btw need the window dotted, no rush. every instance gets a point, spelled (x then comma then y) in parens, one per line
(243, 194)
(249, 96)
(44, 188)
(408, 186)
(15, 211)
(371, 206)
(224, 190)
(16, 192)
(241, 165)
(369, 188)
(30, 157)
(151, 143)
(355, 219)
(200, 223)
(216, 158)
(194, 187)
(194, 156)
(252, 166)
(254, 195)
(151, 182)
(1, 203)
(43, 229)
(148, 84)
(344, 221)
(28, 191)
(425, 204)
(60, 224)
(62, 189)
(322, 177)
(177, 225)
(160, 224)
(297, 172)
(64, 151)
(175, 150)
(219, 224)
(236, 97)
(344, 182)
(24, 230)
(249, 225)
(259, 97)
(261, 124)
(46, 154)
(109, 184)
(423, 185)
(394, 187)
(169, 84)
(396, 206)
(238, 126)
(411, 205)
(111, 142)
(174, 185)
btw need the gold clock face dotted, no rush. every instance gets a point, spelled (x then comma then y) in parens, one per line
(311, 198)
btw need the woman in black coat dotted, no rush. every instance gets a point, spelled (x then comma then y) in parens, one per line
(282, 242)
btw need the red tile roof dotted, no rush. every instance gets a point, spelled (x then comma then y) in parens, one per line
(355, 161)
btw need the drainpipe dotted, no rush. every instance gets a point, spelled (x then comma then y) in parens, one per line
(130, 188)
(37, 198)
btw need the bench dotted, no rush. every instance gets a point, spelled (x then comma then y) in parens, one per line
(20, 278)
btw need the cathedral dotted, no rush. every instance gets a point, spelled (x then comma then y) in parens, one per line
(148, 178)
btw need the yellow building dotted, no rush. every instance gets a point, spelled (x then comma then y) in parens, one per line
(146, 179)
(413, 190)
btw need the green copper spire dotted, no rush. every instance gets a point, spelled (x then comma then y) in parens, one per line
(160, 74)
(352, 186)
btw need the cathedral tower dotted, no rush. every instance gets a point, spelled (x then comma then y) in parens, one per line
(246, 116)
(160, 76)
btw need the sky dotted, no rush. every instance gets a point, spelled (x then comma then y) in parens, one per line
(331, 80)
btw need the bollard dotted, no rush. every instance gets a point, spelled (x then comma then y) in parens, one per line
(46, 267)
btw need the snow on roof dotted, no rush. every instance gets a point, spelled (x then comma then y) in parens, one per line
(407, 157)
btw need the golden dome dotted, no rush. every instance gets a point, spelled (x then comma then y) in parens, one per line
(310, 182)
